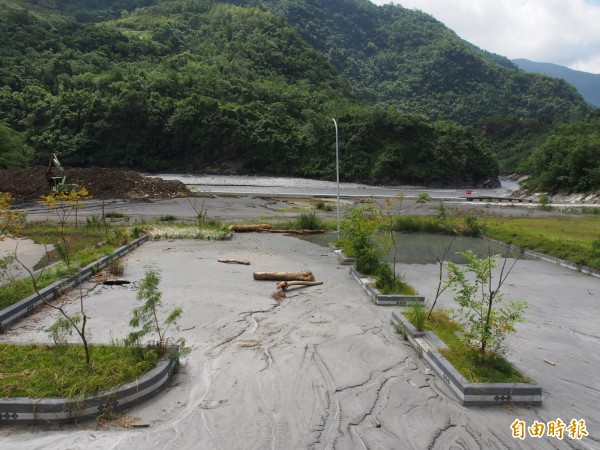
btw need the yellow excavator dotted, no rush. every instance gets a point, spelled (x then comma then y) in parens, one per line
(58, 182)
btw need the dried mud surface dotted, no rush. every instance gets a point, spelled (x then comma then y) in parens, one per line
(101, 183)
(323, 368)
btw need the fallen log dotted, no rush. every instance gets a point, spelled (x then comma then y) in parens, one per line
(283, 285)
(247, 228)
(291, 231)
(234, 261)
(115, 282)
(285, 276)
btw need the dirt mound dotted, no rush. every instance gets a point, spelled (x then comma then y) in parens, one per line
(30, 183)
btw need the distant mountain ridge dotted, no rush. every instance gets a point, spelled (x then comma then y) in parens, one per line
(588, 84)
(251, 86)
(408, 59)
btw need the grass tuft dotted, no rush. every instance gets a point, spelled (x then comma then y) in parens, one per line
(310, 221)
(184, 231)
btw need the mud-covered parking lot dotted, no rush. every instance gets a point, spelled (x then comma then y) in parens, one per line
(323, 368)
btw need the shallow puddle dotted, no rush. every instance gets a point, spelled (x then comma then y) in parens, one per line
(423, 248)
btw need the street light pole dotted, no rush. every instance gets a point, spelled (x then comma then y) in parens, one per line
(337, 174)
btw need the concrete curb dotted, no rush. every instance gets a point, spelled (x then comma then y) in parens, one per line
(561, 262)
(16, 312)
(427, 344)
(342, 258)
(32, 411)
(383, 299)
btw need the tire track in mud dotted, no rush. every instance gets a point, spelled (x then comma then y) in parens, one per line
(332, 412)
(201, 389)
(282, 422)
(381, 398)
(352, 426)
(335, 395)
(279, 434)
(217, 350)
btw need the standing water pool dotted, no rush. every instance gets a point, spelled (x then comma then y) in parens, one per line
(416, 248)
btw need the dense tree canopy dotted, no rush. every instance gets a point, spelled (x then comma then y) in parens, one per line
(408, 59)
(512, 138)
(230, 85)
(569, 159)
(14, 153)
(197, 85)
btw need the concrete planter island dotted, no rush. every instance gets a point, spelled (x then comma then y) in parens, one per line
(33, 411)
(16, 312)
(368, 283)
(427, 346)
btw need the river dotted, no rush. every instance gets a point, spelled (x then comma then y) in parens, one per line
(261, 185)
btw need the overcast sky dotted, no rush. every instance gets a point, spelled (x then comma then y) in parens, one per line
(565, 32)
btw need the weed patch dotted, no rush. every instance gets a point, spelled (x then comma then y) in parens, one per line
(185, 231)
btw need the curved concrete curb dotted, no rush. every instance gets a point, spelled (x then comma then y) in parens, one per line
(16, 312)
(427, 344)
(31, 411)
(383, 299)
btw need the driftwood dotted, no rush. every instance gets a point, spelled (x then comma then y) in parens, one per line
(266, 228)
(283, 285)
(285, 276)
(250, 227)
(234, 261)
(115, 282)
(292, 231)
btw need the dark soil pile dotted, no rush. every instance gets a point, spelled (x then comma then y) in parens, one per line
(31, 183)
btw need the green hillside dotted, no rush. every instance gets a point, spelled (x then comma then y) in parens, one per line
(199, 85)
(569, 158)
(408, 59)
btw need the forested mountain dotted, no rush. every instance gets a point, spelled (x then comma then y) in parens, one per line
(512, 139)
(408, 59)
(252, 85)
(197, 84)
(588, 84)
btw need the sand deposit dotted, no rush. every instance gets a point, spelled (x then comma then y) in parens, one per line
(322, 368)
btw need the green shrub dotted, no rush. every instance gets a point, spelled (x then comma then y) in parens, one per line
(321, 206)
(384, 276)
(545, 202)
(417, 314)
(423, 224)
(92, 222)
(388, 284)
(472, 226)
(120, 237)
(310, 221)
(136, 232)
(114, 215)
(358, 238)
(116, 268)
